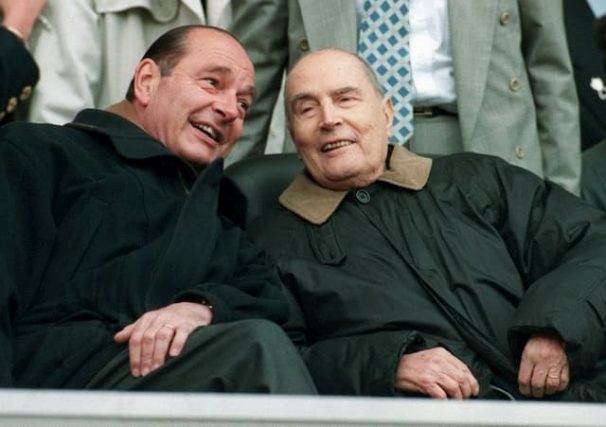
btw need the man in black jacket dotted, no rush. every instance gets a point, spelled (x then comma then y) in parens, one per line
(456, 277)
(116, 270)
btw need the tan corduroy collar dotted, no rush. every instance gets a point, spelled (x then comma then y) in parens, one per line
(316, 204)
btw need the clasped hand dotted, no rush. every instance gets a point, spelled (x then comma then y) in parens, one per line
(544, 366)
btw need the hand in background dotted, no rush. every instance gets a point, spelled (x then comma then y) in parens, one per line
(21, 15)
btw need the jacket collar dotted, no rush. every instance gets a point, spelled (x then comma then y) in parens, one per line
(128, 139)
(316, 204)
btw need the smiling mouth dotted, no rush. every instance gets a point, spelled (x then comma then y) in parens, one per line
(207, 130)
(335, 145)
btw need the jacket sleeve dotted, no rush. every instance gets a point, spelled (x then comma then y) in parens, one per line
(558, 243)
(17, 71)
(261, 26)
(550, 72)
(206, 256)
(6, 350)
(26, 239)
(67, 48)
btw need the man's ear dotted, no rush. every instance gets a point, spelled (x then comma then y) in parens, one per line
(388, 112)
(146, 80)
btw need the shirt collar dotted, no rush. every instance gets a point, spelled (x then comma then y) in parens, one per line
(316, 204)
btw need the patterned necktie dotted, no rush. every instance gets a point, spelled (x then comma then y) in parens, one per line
(383, 43)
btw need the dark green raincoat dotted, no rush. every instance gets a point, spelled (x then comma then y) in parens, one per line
(469, 253)
(99, 224)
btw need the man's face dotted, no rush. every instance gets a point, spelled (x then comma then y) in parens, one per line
(197, 110)
(339, 122)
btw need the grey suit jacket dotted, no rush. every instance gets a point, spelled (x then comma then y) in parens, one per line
(515, 89)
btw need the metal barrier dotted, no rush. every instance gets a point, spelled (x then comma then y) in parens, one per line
(92, 408)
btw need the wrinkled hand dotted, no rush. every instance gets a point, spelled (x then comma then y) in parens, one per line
(161, 332)
(544, 366)
(21, 14)
(436, 373)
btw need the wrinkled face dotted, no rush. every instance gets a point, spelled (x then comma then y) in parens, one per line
(340, 124)
(197, 110)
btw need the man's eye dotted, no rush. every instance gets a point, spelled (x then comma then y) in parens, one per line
(211, 82)
(245, 105)
(305, 110)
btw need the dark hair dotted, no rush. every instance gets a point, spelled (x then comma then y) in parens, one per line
(169, 49)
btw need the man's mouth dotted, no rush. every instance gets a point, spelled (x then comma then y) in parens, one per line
(208, 130)
(336, 144)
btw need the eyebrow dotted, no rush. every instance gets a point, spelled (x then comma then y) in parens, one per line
(305, 96)
(346, 89)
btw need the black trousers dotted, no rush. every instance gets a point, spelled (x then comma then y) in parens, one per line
(245, 356)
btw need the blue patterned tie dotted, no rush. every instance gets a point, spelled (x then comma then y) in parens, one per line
(383, 43)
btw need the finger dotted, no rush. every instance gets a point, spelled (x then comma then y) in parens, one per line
(468, 382)
(435, 391)
(564, 378)
(179, 340)
(162, 342)
(524, 377)
(135, 345)
(552, 381)
(148, 343)
(453, 388)
(469, 385)
(124, 334)
(538, 381)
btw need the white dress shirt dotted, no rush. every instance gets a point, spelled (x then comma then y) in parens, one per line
(430, 53)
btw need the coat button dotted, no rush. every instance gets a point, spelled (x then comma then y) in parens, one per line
(514, 84)
(12, 104)
(520, 152)
(505, 18)
(25, 93)
(304, 45)
(362, 196)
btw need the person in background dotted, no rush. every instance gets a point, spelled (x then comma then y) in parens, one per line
(116, 269)
(88, 49)
(593, 182)
(457, 277)
(18, 70)
(589, 73)
(491, 77)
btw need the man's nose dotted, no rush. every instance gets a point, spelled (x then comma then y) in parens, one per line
(330, 116)
(227, 106)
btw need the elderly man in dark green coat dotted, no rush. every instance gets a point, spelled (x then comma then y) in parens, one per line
(457, 277)
(116, 270)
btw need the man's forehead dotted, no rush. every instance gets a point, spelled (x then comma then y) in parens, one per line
(334, 82)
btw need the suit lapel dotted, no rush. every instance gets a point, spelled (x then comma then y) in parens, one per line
(472, 25)
(323, 30)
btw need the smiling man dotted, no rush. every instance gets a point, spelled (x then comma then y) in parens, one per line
(457, 277)
(116, 271)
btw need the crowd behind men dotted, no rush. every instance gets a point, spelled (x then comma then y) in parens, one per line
(134, 308)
